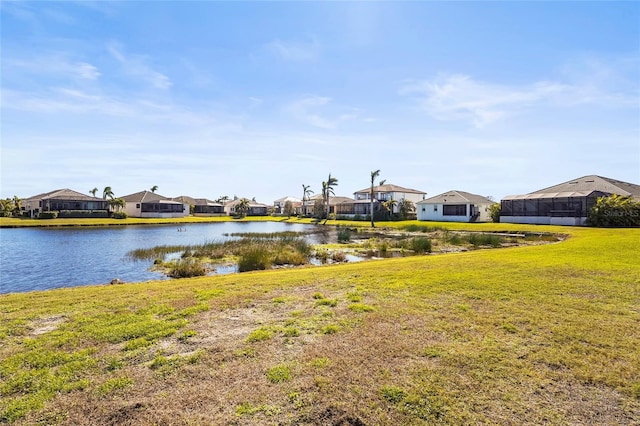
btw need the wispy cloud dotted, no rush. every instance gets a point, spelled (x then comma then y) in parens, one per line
(55, 64)
(295, 51)
(307, 110)
(136, 65)
(460, 97)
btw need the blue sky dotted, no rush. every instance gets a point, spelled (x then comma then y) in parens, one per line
(255, 99)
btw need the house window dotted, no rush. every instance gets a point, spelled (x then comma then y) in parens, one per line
(435, 208)
(454, 210)
(424, 209)
(137, 205)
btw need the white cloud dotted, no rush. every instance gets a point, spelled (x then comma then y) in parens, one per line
(55, 64)
(136, 65)
(460, 97)
(296, 51)
(318, 111)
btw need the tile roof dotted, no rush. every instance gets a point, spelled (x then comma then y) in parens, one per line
(146, 197)
(456, 197)
(389, 188)
(583, 186)
(63, 194)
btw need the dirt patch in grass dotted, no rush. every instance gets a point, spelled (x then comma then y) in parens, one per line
(46, 325)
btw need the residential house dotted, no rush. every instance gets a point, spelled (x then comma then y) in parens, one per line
(255, 208)
(71, 203)
(567, 203)
(361, 205)
(455, 206)
(201, 206)
(278, 204)
(150, 204)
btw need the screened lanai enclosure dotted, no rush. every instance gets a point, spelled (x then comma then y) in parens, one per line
(549, 208)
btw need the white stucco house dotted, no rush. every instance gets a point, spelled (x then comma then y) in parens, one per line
(361, 203)
(149, 204)
(455, 206)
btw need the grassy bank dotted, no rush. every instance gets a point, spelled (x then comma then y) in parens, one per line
(529, 335)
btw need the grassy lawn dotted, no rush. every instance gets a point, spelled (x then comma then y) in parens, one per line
(527, 335)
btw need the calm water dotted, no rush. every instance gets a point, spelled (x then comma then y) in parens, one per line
(46, 258)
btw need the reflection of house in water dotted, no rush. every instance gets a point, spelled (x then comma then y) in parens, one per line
(567, 203)
(67, 203)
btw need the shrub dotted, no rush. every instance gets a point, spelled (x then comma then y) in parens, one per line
(82, 213)
(255, 258)
(259, 335)
(344, 234)
(119, 215)
(48, 215)
(421, 245)
(615, 210)
(338, 256)
(278, 374)
(494, 212)
(185, 268)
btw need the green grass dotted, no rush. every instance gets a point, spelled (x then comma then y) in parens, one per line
(544, 334)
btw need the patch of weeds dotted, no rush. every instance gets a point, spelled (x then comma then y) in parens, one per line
(295, 399)
(432, 352)
(192, 310)
(117, 327)
(463, 307)
(113, 364)
(259, 335)
(254, 258)
(327, 313)
(186, 335)
(330, 329)
(114, 384)
(291, 332)
(296, 314)
(187, 268)
(205, 295)
(279, 300)
(393, 394)
(635, 390)
(344, 234)
(138, 343)
(317, 295)
(246, 353)
(279, 374)
(338, 256)
(166, 365)
(421, 245)
(354, 297)
(360, 307)
(320, 362)
(327, 302)
(426, 406)
(509, 328)
(247, 409)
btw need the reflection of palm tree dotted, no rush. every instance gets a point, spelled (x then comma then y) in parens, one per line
(154, 188)
(242, 207)
(306, 192)
(327, 192)
(374, 175)
(93, 191)
(107, 193)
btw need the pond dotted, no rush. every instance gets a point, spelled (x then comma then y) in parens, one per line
(48, 258)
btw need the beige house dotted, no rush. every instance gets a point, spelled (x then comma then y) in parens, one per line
(455, 206)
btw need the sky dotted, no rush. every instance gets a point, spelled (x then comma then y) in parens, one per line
(256, 99)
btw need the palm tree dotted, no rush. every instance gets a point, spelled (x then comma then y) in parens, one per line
(388, 206)
(93, 191)
(17, 206)
(327, 192)
(117, 204)
(405, 207)
(374, 175)
(242, 207)
(107, 193)
(154, 188)
(306, 192)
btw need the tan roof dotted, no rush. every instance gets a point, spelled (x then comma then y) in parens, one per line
(63, 194)
(582, 187)
(389, 188)
(456, 197)
(147, 197)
